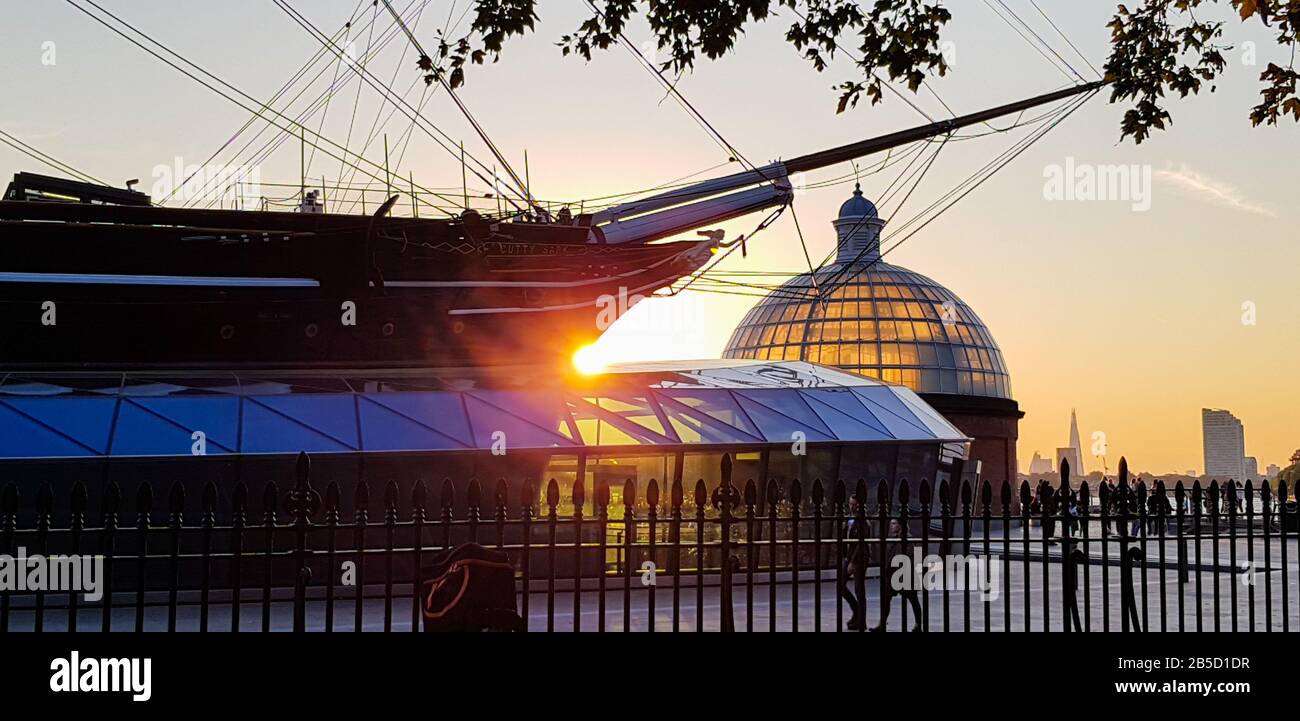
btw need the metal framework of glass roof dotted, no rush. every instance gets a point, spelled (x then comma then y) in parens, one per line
(700, 403)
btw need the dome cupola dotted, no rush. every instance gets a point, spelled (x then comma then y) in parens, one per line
(858, 227)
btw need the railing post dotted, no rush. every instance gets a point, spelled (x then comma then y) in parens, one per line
(302, 502)
(1180, 513)
(8, 525)
(44, 521)
(1128, 600)
(726, 497)
(1072, 563)
(108, 543)
(176, 524)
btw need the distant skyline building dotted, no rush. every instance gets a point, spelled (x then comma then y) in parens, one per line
(1072, 452)
(1040, 465)
(1273, 470)
(1224, 441)
(1250, 468)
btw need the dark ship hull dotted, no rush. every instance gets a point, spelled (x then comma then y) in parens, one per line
(90, 286)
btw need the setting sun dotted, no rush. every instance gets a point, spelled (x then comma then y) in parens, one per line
(588, 360)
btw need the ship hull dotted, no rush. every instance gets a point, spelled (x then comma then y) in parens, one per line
(289, 291)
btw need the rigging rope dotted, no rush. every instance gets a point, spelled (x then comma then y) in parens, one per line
(1083, 57)
(49, 160)
(975, 180)
(388, 95)
(202, 82)
(268, 148)
(478, 128)
(247, 124)
(356, 99)
(1031, 42)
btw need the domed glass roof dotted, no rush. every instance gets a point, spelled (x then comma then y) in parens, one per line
(879, 320)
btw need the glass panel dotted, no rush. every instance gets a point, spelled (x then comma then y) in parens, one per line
(849, 354)
(384, 429)
(87, 419)
(889, 354)
(911, 378)
(636, 409)
(926, 355)
(945, 356)
(717, 404)
(529, 420)
(907, 354)
(869, 354)
(216, 416)
(265, 431)
(21, 437)
(830, 354)
(893, 413)
(442, 411)
(930, 382)
(844, 414)
(949, 381)
(778, 425)
(331, 414)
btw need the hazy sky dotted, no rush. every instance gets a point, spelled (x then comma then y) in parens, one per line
(1134, 317)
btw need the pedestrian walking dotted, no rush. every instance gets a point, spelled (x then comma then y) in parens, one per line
(894, 549)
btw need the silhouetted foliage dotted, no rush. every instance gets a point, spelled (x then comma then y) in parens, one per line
(1157, 46)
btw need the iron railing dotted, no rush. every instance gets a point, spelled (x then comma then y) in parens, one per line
(775, 557)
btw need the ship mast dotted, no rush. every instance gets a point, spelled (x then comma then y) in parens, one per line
(673, 212)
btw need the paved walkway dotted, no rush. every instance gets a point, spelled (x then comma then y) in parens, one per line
(1242, 593)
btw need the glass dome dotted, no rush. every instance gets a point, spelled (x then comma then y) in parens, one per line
(882, 321)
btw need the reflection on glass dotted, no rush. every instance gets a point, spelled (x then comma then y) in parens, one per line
(926, 331)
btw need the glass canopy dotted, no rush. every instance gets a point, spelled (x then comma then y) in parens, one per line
(731, 402)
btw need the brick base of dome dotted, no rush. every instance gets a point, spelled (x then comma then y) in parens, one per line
(994, 425)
